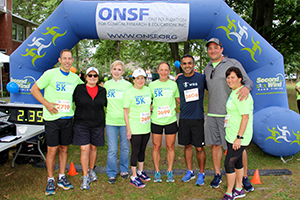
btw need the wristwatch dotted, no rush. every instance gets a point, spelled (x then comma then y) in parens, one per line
(239, 137)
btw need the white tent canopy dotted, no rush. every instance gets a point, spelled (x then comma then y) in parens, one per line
(4, 58)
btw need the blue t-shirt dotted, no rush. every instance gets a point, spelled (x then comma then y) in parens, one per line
(191, 90)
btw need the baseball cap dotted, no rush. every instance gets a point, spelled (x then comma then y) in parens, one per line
(214, 40)
(92, 69)
(139, 72)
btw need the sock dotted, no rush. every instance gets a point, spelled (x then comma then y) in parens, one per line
(191, 171)
(60, 175)
(139, 172)
(238, 189)
(52, 178)
(133, 177)
(230, 194)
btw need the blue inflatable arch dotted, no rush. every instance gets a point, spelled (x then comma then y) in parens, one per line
(276, 128)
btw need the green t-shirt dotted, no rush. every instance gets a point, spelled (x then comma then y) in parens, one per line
(58, 89)
(235, 109)
(298, 95)
(163, 94)
(138, 102)
(115, 93)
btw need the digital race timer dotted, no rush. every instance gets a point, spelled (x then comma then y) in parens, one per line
(23, 113)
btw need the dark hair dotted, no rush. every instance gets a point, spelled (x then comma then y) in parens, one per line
(236, 70)
(65, 50)
(163, 62)
(188, 56)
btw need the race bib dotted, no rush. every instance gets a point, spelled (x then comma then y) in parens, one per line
(191, 95)
(163, 111)
(63, 105)
(145, 117)
(226, 124)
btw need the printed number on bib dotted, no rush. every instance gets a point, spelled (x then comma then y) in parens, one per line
(191, 95)
(145, 117)
(226, 124)
(63, 106)
(163, 111)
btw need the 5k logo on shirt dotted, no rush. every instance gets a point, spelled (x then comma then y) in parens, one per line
(139, 100)
(158, 92)
(111, 93)
(61, 86)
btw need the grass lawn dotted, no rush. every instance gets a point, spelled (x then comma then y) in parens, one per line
(27, 182)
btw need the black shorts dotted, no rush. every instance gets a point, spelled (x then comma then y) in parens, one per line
(191, 131)
(84, 135)
(169, 128)
(59, 132)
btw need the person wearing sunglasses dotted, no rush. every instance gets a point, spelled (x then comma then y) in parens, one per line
(219, 92)
(191, 87)
(115, 123)
(89, 123)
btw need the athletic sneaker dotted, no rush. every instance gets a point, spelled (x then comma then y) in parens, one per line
(50, 189)
(200, 179)
(188, 176)
(144, 176)
(137, 182)
(215, 183)
(238, 194)
(157, 177)
(64, 183)
(85, 185)
(112, 180)
(93, 176)
(124, 175)
(227, 197)
(247, 185)
(170, 177)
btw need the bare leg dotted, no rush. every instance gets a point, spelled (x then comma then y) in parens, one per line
(156, 138)
(239, 178)
(230, 182)
(188, 153)
(170, 143)
(245, 163)
(201, 157)
(93, 156)
(62, 158)
(141, 166)
(50, 160)
(216, 152)
(84, 158)
(133, 169)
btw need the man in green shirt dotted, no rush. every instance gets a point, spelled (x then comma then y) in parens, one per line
(58, 85)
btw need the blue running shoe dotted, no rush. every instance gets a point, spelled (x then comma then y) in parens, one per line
(93, 176)
(247, 185)
(170, 177)
(238, 194)
(200, 179)
(64, 183)
(137, 182)
(215, 183)
(157, 177)
(188, 176)
(143, 176)
(50, 189)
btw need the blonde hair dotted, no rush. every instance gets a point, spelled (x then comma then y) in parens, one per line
(117, 62)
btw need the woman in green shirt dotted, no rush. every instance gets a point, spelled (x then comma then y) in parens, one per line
(164, 92)
(136, 103)
(239, 129)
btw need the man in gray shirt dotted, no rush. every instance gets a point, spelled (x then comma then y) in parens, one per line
(218, 94)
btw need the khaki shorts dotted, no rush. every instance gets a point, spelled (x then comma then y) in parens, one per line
(215, 131)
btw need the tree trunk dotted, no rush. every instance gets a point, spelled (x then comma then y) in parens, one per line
(175, 53)
(262, 17)
(77, 56)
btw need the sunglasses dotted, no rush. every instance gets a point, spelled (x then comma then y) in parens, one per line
(92, 75)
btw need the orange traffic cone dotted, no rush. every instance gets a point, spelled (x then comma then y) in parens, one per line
(256, 178)
(225, 153)
(72, 170)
